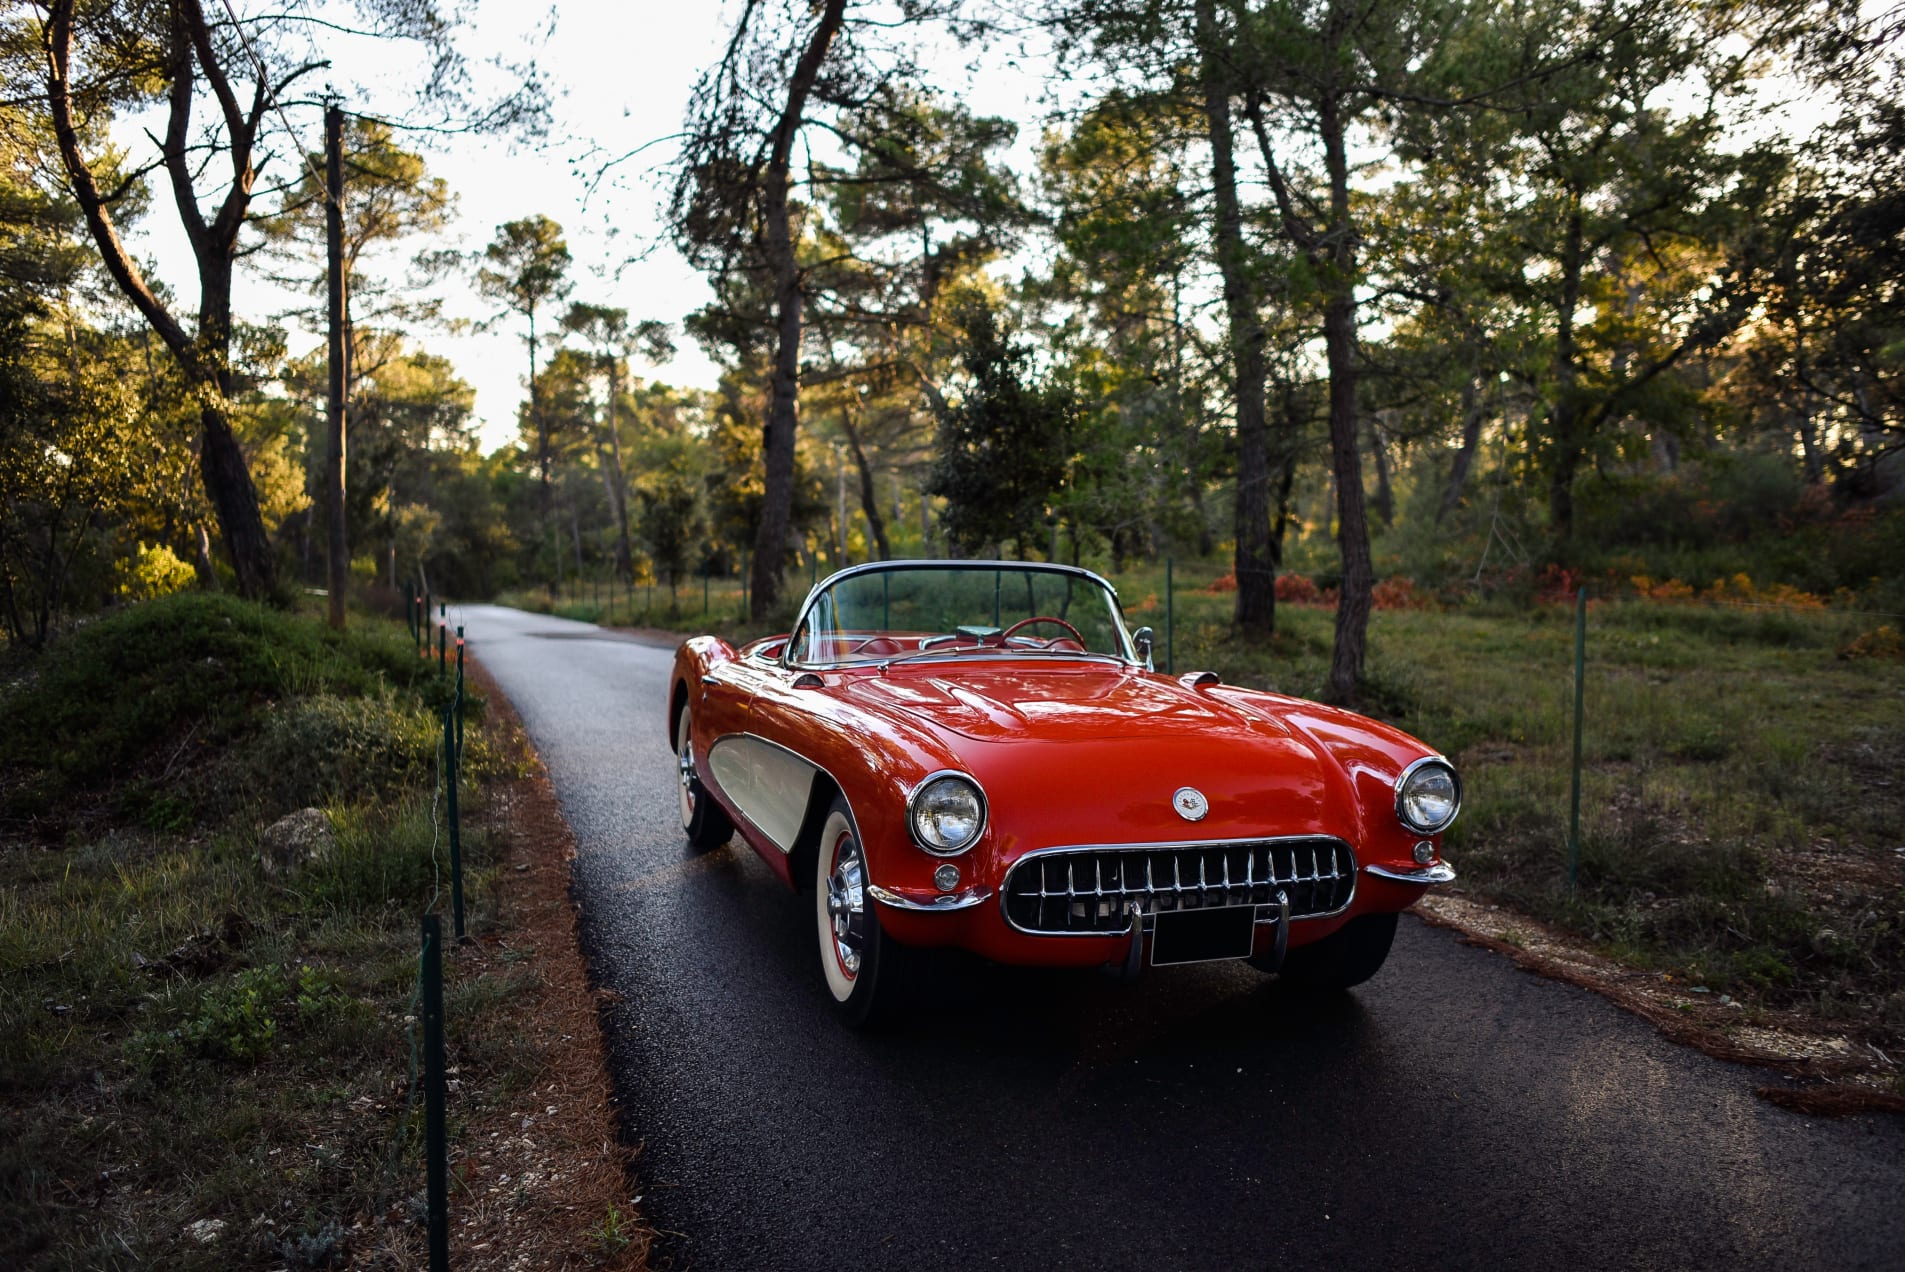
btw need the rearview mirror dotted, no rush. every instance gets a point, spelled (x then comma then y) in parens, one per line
(1144, 638)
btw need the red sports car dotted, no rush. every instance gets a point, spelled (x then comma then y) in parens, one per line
(979, 754)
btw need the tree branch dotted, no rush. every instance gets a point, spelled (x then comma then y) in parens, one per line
(119, 264)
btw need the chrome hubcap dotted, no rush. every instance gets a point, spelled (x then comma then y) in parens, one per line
(846, 906)
(685, 773)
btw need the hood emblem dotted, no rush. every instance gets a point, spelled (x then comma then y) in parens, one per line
(1190, 803)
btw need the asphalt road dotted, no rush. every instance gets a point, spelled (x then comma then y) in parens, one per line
(1454, 1112)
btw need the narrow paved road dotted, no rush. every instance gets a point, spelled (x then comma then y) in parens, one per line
(1452, 1113)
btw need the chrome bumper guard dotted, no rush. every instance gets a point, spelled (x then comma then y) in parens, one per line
(943, 904)
(1440, 872)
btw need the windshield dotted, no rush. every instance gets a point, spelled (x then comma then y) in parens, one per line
(959, 610)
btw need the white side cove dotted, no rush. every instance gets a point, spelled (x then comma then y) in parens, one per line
(768, 782)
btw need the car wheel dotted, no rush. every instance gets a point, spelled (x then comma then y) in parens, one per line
(858, 960)
(705, 822)
(1348, 956)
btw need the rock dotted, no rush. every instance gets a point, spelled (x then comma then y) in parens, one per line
(295, 841)
(205, 1231)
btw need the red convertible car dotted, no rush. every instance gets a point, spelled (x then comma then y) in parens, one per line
(979, 754)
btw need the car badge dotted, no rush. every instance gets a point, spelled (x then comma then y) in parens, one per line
(1190, 803)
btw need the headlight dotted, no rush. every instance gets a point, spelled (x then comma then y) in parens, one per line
(1428, 795)
(947, 813)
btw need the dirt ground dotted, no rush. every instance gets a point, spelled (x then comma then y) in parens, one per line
(548, 1184)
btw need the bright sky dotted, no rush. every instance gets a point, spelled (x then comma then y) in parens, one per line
(621, 71)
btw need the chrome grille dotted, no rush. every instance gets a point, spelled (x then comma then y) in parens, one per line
(1080, 891)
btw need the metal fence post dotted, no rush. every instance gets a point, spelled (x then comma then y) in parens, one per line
(443, 640)
(1580, 698)
(459, 691)
(436, 1149)
(456, 829)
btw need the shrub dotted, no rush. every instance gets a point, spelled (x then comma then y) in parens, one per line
(234, 1021)
(1297, 589)
(151, 572)
(1883, 641)
(324, 748)
(1400, 594)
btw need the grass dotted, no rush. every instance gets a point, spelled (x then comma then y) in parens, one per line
(689, 610)
(185, 1037)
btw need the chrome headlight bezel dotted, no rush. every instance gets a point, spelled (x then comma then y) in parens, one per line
(1409, 775)
(913, 824)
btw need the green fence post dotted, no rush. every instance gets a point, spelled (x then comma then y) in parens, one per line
(1170, 620)
(1580, 698)
(459, 691)
(443, 658)
(706, 574)
(744, 569)
(450, 730)
(436, 1148)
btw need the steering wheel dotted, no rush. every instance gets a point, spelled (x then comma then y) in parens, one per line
(1006, 635)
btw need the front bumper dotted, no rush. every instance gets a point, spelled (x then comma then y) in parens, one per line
(973, 920)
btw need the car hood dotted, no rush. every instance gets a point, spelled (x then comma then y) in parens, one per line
(1060, 702)
(1088, 752)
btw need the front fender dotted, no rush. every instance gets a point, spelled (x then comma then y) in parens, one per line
(1371, 756)
(693, 659)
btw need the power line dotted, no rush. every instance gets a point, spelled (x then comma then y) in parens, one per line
(277, 107)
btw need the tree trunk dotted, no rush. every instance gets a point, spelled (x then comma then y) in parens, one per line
(202, 557)
(783, 413)
(624, 549)
(221, 464)
(1565, 444)
(1472, 413)
(1385, 489)
(1256, 612)
(337, 546)
(1286, 481)
(575, 530)
(545, 495)
(1339, 339)
(1808, 444)
(867, 500)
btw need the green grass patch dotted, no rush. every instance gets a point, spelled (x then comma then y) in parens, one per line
(186, 1035)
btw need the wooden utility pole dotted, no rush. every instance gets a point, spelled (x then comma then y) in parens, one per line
(339, 547)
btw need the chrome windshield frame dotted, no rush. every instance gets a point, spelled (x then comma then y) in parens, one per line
(1127, 657)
